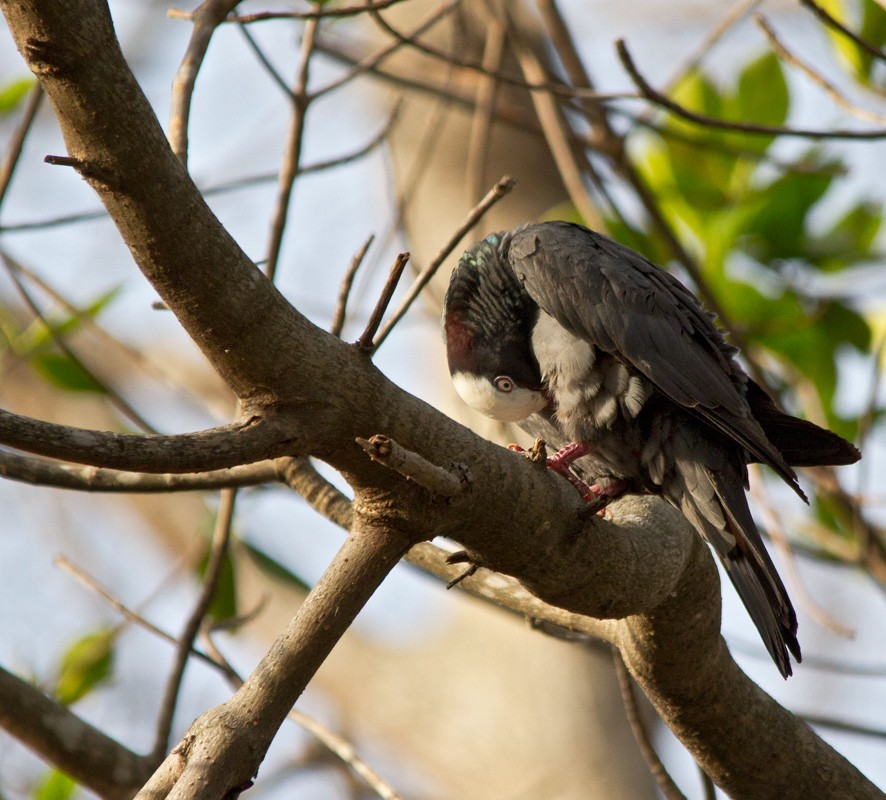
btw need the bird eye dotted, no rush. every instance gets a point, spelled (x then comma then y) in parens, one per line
(503, 383)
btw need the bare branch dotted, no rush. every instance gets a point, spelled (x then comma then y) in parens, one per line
(365, 341)
(344, 292)
(38, 472)
(208, 16)
(815, 76)
(721, 124)
(242, 442)
(14, 150)
(289, 169)
(91, 758)
(838, 26)
(496, 193)
(219, 754)
(319, 13)
(217, 552)
(299, 474)
(411, 465)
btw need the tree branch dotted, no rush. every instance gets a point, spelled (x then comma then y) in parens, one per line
(91, 758)
(222, 750)
(241, 442)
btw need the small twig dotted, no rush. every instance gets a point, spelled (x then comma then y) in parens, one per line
(838, 26)
(481, 119)
(496, 193)
(733, 16)
(344, 291)
(83, 168)
(411, 465)
(780, 540)
(14, 150)
(208, 16)
(557, 134)
(289, 169)
(365, 342)
(842, 725)
(218, 550)
(665, 783)
(263, 59)
(816, 77)
(371, 62)
(115, 398)
(721, 124)
(319, 13)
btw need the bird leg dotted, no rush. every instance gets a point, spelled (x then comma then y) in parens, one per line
(560, 463)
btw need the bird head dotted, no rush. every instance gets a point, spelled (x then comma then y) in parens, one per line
(487, 321)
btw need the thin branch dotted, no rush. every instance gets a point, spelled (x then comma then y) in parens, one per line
(557, 134)
(14, 150)
(114, 397)
(289, 168)
(344, 291)
(242, 442)
(838, 26)
(217, 552)
(93, 585)
(804, 598)
(842, 725)
(484, 106)
(735, 14)
(436, 479)
(816, 77)
(455, 60)
(263, 59)
(372, 61)
(39, 472)
(496, 193)
(750, 128)
(365, 342)
(656, 768)
(319, 13)
(208, 16)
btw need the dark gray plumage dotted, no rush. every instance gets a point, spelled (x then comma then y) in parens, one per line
(582, 340)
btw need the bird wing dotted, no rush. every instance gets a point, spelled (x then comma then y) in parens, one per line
(624, 305)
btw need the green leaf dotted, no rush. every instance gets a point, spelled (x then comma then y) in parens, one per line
(778, 229)
(55, 786)
(849, 241)
(86, 664)
(13, 92)
(40, 334)
(812, 344)
(273, 568)
(224, 601)
(762, 98)
(62, 371)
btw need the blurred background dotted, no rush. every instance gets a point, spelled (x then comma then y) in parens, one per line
(443, 695)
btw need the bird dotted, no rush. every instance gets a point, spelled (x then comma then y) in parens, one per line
(591, 347)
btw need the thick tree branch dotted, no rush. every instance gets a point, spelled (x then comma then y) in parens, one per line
(100, 763)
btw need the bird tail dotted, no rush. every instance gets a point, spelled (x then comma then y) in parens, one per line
(716, 505)
(802, 443)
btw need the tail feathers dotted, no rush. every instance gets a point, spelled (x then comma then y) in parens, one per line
(802, 443)
(716, 506)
